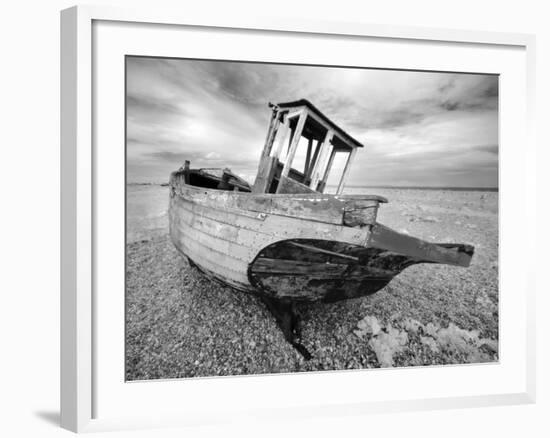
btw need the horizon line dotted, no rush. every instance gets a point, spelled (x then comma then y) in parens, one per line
(375, 186)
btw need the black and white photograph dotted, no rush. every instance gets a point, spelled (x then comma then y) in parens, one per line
(287, 218)
(275, 220)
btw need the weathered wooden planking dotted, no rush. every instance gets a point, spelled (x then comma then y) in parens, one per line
(214, 242)
(224, 238)
(178, 185)
(225, 243)
(209, 253)
(297, 267)
(358, 216)
(266, 170)
(319, 271)
(271, 133)
(307, 289)
(451, 254)
(228, 282)
(224, 266)
(310, 248)
(267, 229)
(289, 185)
(308, 206)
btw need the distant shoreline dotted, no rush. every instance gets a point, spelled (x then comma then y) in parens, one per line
(164, 184)
(453, 189)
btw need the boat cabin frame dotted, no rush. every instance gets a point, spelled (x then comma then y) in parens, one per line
(300, 124)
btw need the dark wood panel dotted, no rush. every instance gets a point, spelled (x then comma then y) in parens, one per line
(278, 266)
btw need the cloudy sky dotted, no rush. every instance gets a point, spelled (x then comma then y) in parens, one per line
(419, 129)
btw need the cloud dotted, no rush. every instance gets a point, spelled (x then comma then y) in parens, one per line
(490, 148)
(421, 127)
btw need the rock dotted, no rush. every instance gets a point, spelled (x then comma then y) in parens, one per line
(385, 345)
(431, 329)
(412, 325)
(369, 325)
(430, 342)
(483, 301)
(489, 344)
(454, 338)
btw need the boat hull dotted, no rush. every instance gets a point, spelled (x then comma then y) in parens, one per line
(223, 241)
(295, 248)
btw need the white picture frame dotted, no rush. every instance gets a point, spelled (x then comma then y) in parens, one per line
(82, 369)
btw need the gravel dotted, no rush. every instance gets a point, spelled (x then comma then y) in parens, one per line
(181, 324)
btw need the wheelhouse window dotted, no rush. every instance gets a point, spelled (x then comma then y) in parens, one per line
(301, 148)
(339, 161)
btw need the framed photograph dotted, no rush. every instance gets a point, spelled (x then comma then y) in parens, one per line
(264, 218)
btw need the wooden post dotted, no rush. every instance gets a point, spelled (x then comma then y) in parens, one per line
(313, 160)
(186, 168)
(322, 157)
(346, 171)
(290, 137)
(294, 143)
(282, 133)
(308, 157)
(327, 170)
(224, 183)
(264, 175)
(271, 131)
(266, 163)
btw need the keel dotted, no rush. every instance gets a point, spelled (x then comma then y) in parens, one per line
(287, 318)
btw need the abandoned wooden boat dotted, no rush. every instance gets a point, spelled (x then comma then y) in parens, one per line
(283, 238)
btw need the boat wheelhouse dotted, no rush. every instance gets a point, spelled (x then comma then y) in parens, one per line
(300, 150)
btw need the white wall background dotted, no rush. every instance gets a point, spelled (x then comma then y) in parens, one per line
(29, 216)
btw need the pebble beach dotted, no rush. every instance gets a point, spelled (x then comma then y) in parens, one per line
(180, 324)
